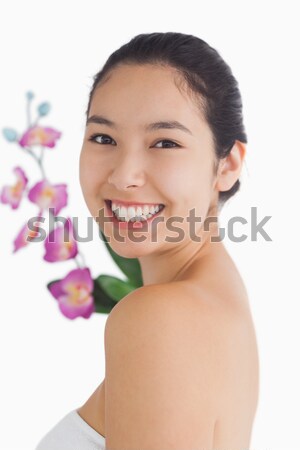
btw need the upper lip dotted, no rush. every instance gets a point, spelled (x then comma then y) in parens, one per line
(125, 203)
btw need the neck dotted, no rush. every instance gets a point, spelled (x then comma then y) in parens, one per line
(171, 264)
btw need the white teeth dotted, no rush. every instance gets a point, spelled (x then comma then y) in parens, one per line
(132, 211)
(123, 212)
(138, 213)
(145, 210)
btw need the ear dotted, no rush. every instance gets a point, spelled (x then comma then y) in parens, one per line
(230, 167)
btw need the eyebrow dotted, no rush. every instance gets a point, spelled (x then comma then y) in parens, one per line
(165, 124)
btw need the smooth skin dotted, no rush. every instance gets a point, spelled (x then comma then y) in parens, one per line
(181, 357)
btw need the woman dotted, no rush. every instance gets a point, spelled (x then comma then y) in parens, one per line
(163, 151)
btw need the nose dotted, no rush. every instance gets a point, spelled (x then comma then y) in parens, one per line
(127, 173)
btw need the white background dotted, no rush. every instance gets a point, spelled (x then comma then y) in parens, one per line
(49, 364)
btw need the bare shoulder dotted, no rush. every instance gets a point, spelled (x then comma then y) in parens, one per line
(170, 358)
(194, 312)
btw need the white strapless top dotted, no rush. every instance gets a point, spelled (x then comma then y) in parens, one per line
(72, 433)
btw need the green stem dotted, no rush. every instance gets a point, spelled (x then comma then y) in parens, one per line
(77, 262)
(82, 258)
(28, 113)
(34, 124)
(39, 161)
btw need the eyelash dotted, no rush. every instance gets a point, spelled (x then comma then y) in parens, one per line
(94, 136)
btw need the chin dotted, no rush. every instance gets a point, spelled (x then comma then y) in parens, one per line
(128, 249)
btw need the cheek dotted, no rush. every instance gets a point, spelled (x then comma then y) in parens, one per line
(187, 187)
(173, 175)
(186, 180)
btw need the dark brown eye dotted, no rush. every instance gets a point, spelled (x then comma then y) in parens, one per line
(94, 137)
(170, 142)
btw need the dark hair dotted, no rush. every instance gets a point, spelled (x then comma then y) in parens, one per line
(200, 68)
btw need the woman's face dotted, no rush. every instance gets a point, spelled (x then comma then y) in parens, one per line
(132, 162)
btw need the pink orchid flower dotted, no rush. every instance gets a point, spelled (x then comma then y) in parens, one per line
(74, 294)
(22, 238)
(38, 135)
(60, 244)
(12, 195)
(47, 195)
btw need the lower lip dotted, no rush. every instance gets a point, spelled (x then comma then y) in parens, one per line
(129, 225)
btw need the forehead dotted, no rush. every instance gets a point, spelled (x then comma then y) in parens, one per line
(135, 95)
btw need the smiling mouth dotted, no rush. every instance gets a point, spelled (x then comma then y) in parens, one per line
(141, 218)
